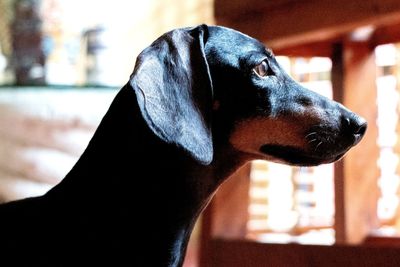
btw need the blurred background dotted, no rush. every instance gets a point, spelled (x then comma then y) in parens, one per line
(63, 61)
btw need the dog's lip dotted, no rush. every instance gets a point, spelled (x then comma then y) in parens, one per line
(296, 156)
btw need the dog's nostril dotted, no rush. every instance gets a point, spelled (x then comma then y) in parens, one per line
(356, 126)
(347, 122)
(362, 128)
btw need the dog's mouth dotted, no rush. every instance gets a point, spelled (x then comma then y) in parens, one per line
(323, 144)
(299, 157)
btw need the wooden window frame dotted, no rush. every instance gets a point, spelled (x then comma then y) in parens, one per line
(353, 74)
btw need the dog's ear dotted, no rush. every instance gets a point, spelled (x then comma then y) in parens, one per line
(174, 90)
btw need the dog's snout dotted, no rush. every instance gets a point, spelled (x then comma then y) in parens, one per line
(355, 125)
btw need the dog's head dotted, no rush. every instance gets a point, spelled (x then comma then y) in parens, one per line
(197, 87)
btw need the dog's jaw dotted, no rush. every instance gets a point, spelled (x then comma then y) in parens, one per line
(297, 157)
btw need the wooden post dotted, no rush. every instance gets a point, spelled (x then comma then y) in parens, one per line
(231, 205)
(227, 214)
(356, 190)
(338, 89)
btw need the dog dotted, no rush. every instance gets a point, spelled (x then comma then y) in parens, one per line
(200, 103)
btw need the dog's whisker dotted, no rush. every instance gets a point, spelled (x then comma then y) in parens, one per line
(311, 137)
(310, 134)
(320, 143)
(311, 141)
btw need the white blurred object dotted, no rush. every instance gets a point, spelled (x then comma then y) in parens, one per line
(42, 135)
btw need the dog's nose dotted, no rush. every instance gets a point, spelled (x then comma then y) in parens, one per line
(356, 126)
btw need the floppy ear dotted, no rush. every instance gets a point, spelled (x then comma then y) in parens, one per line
(174, 90)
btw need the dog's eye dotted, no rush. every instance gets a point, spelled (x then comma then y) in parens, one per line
(262, 69)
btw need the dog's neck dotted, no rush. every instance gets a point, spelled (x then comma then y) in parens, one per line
(157, 193)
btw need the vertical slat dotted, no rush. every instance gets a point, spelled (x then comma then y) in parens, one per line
(354, 84)
(337, 90)
(227, 214)
(231, 206)
(205, 251)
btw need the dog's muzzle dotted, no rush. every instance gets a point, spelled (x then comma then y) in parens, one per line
(325, 142)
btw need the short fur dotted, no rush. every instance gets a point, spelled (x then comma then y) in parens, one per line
(193, 112)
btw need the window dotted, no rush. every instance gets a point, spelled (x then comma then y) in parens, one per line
(388, 88)
(294, 204)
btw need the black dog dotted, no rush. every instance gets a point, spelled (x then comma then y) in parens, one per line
(200, 103)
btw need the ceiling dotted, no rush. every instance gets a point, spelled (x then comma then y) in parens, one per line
(311, 27)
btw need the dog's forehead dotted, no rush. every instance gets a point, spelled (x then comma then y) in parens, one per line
(235, 41)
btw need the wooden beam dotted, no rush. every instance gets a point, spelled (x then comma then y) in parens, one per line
(235, 9)
(238, 253)
(318, 49)
(285, 23)
(356, 190)
(385, 34)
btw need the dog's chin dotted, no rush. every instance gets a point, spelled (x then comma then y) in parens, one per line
(298, 157)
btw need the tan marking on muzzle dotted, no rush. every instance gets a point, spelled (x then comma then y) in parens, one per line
(249, 135)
